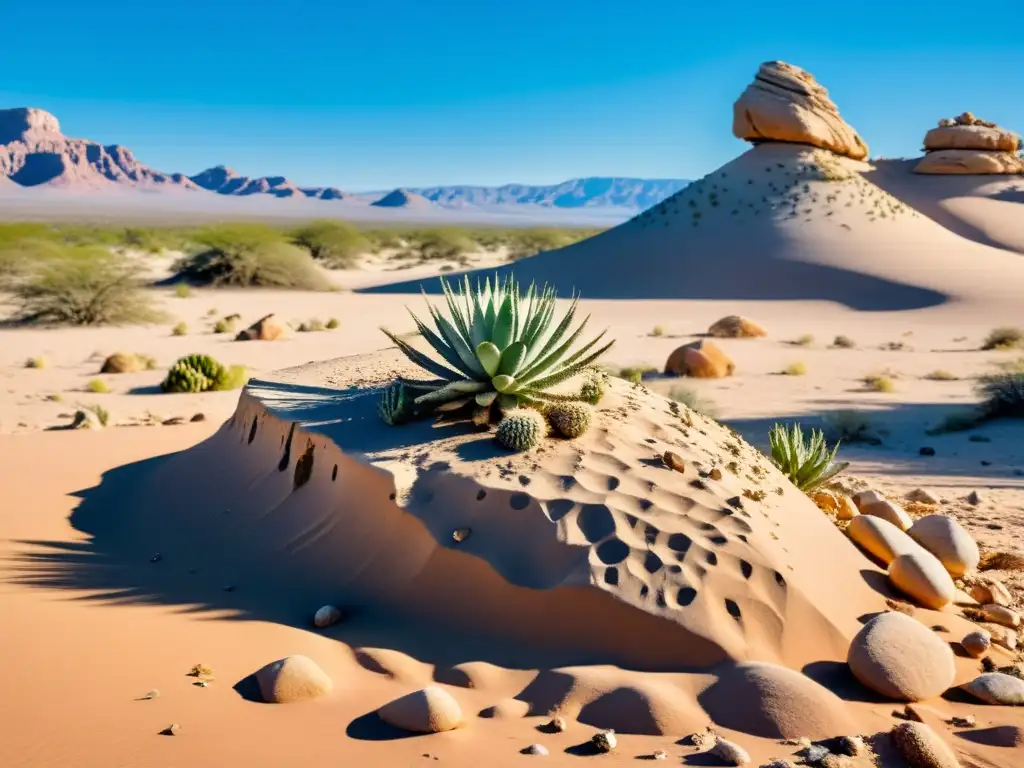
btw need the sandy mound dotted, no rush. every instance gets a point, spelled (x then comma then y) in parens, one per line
(785, 103)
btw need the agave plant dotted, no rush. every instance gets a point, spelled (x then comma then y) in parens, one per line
(807, 464)
(498, 345)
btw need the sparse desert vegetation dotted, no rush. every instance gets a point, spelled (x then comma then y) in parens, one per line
(795, 369)
(1004, 338)
(880, 382)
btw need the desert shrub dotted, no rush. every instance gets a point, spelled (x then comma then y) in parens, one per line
(83, 285)
(850, 427)
(940, 375)
(635, 374)
(843, 342)
(804, 341)
(182, 291)
(807, 462)
(332, 323)
(23, 247)
(658, 330)
(440, 243)
(181, 329)
(879, 382)
(1002, 395)
(1004, 338)
(245, 255)
(201, 373)
(35, 362)
(98, 386)
(337, 244)
(693, 400)
(224, 325)
(795, 369)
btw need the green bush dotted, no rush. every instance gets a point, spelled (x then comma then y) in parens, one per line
(1004, 338)
(201, 373)
(1002, 396)
(570, 420)
(441, 243)
(245, 255)
(807, 462)
(83, 285)
(337, 244)
(521, 429)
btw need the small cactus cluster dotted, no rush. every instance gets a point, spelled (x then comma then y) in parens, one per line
(593, 389)
(194, 373)
(395, 406)
(521, 429)
(570, 420)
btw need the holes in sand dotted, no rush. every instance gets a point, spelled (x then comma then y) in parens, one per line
(650, 534)
(679, 542)
(712, 558)
(742, 538)
(334, 473)
(644, 590)
(252, 430)
(559, 508)
(746, 569)
(659, 598)
(613, 483)
(675, 569)
(611, 577)
(595, 522)
(286, 457)
(652, 563)
(779, 579)
(732, 608)
(612, 551)
(392, 496)
(686, 595)
(519, 501)
(304, 467)
(718, 540)
(481, 495)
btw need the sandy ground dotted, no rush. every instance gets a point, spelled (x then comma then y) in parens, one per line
(82, 652)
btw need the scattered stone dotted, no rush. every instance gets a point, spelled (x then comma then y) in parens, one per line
(921, 747)
(736, 327)
(459, 535)
(779, 764)
(922, 496)
(945, 538)
(927, 451)
(900, 658)
(661, 754)
(880, 538)
(173, 421)
(785, 103)
(866, 497)
(991, 592)
(997, 688)
(967, 721)
(715, 474)
(326, 616)
(536, 749)
(604, 741)
(729, 752)
(851, 745)
(267, 328)
(171, 730)
(921, 576)
(976, 644)
(557, 725)
(888, 511)
(674, 461)
(201, 683)
(430, 710)
(198, 417)
(699, 359)
(999, 614)
(803, 742)
(1007, 639)
(814, 754)
(291, 679)
(974, 498)
(154, 694)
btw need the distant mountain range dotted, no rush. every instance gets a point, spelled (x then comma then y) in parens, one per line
(34, 153)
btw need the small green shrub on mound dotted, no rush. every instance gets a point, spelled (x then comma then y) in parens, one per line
(806, 462)
(250, 255)
(1004, 338)
(337, 244)
(201, 373)
(521, 429)
(570, 420)
(1002, 396)
(82, 285)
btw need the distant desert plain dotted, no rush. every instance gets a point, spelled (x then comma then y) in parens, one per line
(241, 525)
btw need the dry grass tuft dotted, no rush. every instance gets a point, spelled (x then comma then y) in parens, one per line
(795, 369)
(1004, 338)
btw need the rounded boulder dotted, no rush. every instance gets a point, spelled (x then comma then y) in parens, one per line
(921, 747)
(291, 679)
(945, 538)
(430, 710)
(888, 511)
(901, 659)
(922, 577)
(880, 538)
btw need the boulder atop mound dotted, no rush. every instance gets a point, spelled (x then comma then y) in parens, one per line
(969, 145)
(785, 103)
(736, 327)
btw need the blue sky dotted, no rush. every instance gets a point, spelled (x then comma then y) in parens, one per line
(374, 95)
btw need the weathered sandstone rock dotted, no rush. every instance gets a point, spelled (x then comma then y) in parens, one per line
(900, 658)
(969, 162)
(921, 576)
(736, 327)
(880, 538)
(921, 747)
(945, 538)
(785, 103)
(888, 511)
(700, 359)
(997, 688)
(267, 328)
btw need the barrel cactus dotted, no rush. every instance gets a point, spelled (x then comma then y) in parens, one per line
(395, 406)
(521, 429)
(498, 345)
(570, 419)
(593, 388)
(200, 373)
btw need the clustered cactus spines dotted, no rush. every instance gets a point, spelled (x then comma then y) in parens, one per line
(395, 406)
(807, 464)
(570, 419)
(498, 345)
(593, 388)
(194, 373)
(521, 429)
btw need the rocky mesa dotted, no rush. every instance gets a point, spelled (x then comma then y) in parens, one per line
(972, 146)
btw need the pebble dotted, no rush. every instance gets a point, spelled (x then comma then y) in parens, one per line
(604, 741)
(927, 450)
(171, 730)
(154, 694)
(851, 745)
(326, 616)
(557, 725)
(963, 722)
(922, 496)
(991, 592)
(889, 512)
(997, 688)
(778, 764)
(661, 754)
(999, 614)
(945, 538)
(460, 534)
(1007, 639)
(198, 417)
(173, 421)
(536, 749)
(674, 461)
(815, 754)
(974, 498)
(715, 474)
(729, 752)
(977, 643)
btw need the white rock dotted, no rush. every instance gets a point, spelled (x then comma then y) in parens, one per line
(880, 538)
(997, 688)
(729, 752)
(991, 592)
(604, 741)
(430, 710)
(327, 616)
(945, 538)
(921, 576)
(999, 614)
(889, 511)
(536, 749)
(291, 679)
